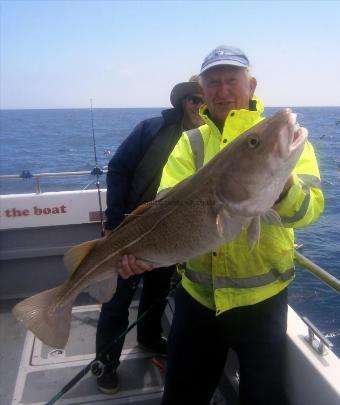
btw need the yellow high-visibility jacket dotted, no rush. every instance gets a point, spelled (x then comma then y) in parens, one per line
(233, 275)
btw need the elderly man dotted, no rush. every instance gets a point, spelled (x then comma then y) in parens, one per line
(242, 307)
(133, 178)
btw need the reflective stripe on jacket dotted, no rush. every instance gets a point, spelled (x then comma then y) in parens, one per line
(232, 275)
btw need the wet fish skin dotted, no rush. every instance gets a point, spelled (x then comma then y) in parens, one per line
(210, 208)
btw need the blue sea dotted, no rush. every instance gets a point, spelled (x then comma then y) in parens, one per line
(61, 140)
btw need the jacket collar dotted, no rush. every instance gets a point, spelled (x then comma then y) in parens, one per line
(237, 120)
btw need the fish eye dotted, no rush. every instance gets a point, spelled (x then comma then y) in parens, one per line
(253, 141)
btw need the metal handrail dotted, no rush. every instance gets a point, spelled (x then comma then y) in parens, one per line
(38, 176)
(53, 174)
(319, 272)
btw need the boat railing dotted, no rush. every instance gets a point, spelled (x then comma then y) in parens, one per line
(318, 271)
(320, 343)
(26, 174)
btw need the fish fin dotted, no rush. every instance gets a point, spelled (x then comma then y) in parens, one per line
(51, 327)
(271, 217)
(227, 226)
(74, 256)
(137, 212)
(134, 214)
(253, 232)
(103, 290)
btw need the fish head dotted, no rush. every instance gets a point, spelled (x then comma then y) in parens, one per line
(260, 163)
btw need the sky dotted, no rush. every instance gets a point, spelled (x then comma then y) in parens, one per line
(61, 54)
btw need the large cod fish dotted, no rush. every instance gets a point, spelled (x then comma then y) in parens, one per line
(232, 192)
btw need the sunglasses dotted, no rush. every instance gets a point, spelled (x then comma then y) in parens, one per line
(195, 99)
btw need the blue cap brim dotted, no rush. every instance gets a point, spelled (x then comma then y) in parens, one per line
(223, 63)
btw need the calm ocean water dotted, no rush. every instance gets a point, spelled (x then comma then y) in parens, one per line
(61, 140)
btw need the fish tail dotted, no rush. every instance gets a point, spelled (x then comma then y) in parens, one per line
(49, 322)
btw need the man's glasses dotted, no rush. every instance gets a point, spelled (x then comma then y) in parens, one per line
(195, 99)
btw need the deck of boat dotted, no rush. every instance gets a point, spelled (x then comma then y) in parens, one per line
(32, 373)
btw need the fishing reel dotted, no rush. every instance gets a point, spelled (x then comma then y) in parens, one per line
(97, 368)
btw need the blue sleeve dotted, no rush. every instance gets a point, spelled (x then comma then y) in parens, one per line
(122, 166)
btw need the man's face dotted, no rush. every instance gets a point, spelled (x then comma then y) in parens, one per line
(226, 88)
(191, 105)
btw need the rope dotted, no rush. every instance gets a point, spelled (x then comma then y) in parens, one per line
(86, 369)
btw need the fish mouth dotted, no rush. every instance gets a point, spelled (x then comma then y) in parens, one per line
(300, 135)
(292, 136)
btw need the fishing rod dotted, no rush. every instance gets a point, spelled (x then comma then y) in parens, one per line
(96, 365)
(97, 171)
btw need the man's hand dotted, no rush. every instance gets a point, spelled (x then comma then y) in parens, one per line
(130, 266)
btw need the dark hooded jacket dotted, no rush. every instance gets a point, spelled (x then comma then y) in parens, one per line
(135, 170)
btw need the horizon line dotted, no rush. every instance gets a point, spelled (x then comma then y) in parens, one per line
(162, 108)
